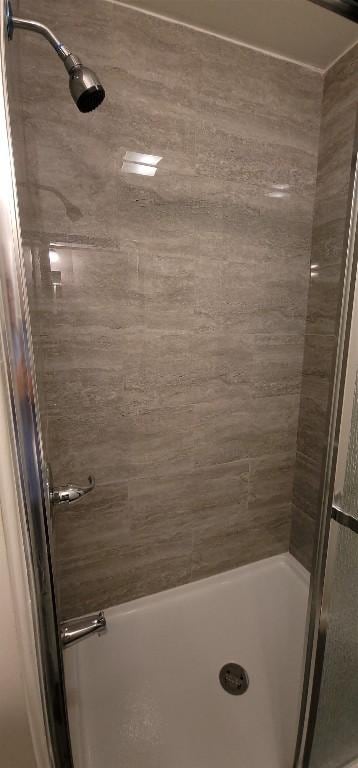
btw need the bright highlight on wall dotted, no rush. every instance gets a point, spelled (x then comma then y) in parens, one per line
(140, 163)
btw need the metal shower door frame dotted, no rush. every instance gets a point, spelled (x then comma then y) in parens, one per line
(326, 532)
(27, 446)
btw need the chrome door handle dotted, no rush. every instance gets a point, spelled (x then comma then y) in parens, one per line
(69, 494)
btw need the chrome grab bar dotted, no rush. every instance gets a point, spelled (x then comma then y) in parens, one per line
(74, 630)
(344, 518)
(69, 494)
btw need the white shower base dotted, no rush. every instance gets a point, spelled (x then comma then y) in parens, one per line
(147, 694)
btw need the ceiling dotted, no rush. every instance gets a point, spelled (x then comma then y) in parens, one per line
(294, 29)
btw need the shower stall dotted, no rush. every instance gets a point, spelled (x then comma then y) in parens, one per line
(179, 363)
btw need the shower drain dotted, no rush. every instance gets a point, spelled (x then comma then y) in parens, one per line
(234, 679)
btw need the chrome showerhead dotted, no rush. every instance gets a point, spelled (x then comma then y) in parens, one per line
(86, 89)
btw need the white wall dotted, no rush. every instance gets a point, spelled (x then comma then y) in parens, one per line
(22, 718)
(16, 749)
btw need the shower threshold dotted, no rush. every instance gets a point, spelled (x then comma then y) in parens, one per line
(148, 695)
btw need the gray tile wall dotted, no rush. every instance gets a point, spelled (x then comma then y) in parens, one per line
(170, 352)
(324, 301)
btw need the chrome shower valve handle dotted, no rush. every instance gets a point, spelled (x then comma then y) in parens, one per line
(69, 494)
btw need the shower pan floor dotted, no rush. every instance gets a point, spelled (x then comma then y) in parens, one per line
(147, 694)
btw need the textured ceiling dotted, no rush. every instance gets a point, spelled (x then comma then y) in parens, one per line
(295, 29)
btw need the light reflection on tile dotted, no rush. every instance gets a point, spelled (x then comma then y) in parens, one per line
(140, 157)
(141, 170)
(53, 256)
(140, 164)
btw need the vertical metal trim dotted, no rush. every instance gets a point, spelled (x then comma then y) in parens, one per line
(325, 541)
(27, 446)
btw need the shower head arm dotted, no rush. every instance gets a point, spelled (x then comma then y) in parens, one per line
(86, 89)
(35, 26)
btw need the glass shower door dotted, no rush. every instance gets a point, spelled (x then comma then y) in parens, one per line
(335, 739)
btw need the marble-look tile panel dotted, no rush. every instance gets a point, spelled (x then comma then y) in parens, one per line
(167, 533)
(170, 440)
(338, 93)
(253, 295)
(112, 576)
(197, 500)
(302, 537)
(99, 521)
(89, 532)
(165, 367)
(323, 302)
(220, 545)
(326, 246)
(313, 418)
(254, 536)
(277, 364)
(176, 198)
(143, 369)
(190, 120)
(171, 321)
(271, 481)
(319, 356)
(307, 485)
(316, 387)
